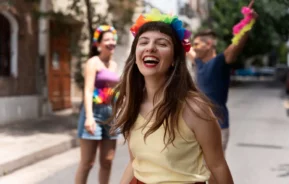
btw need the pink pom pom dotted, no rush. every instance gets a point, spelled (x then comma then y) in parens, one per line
(245, 10)
(237, 28)
(242, 24)
(234, 30)
(247, 20)
(250, 16)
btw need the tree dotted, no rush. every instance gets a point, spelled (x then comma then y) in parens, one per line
(269, 32)
(119, 14)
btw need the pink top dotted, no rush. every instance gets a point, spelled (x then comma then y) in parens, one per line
(105, 78)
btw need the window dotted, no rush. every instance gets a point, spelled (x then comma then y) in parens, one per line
(5, 47)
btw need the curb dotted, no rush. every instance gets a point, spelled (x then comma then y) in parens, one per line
(42, 154)
(9, 167)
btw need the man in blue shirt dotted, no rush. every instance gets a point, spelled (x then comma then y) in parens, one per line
(213, 72)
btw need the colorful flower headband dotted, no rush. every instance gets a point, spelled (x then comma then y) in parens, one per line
(101, 29)
(243, 26)
(175, 23)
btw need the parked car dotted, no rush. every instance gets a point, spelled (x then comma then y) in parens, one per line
(254, 71)
(281, 72)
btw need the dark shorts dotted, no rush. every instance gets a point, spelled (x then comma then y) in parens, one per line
(101, 113)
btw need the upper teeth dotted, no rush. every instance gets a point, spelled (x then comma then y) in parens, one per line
(150, 59)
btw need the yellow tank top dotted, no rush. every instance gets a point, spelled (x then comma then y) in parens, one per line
(179, 163)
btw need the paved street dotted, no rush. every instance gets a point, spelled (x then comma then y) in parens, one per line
(257, 153)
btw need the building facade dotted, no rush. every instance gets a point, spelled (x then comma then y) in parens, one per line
(37, 59)
(18, 62)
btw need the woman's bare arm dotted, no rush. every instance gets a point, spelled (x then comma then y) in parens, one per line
(208, 134)
(89, 80)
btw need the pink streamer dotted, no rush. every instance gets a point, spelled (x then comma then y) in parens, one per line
(247, 12)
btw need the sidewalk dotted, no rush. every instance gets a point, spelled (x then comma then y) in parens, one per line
(26, 142)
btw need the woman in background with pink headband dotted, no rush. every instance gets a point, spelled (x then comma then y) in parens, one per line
(93, 129)
(167, 122)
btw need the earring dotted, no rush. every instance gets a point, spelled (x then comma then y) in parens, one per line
(98, 49)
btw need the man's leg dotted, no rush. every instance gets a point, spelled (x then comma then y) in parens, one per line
(225, 138)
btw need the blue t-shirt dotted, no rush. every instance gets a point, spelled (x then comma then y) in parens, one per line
(213, 79)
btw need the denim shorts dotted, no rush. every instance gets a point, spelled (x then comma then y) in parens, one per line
(101, 113)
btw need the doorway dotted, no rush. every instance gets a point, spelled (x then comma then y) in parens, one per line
(59, 77)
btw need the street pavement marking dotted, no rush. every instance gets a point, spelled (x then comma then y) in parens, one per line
(268, 146)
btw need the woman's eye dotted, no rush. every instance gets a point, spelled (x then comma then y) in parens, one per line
(163, 44)
(142, 43)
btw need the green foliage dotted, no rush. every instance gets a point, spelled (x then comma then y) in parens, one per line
(119, 14)
(121, 11)
(9, 2)
(270, 30)
(283, 50)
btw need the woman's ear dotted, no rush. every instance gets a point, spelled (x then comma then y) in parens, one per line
(97, 46)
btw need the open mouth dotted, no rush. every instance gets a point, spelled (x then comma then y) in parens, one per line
(110, 47)
(150, 61)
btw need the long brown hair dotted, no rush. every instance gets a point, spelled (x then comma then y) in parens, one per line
(178, 86)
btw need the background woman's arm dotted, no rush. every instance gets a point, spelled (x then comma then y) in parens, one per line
(89, 80)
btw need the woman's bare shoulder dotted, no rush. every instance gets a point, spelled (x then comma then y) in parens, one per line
(196, 104)
(93, 63)
(93, 60)
(196, 110)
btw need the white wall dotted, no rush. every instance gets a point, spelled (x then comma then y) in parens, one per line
(18, 108)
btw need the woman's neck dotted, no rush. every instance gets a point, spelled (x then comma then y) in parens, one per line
(152, 85)
(105, 59)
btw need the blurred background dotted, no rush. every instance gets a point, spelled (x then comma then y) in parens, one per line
(45, 43)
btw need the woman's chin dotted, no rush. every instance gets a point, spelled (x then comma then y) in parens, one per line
(150, 74)
(111, 51)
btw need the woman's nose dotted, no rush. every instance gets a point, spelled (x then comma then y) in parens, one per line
(112, 42)
(151, 47)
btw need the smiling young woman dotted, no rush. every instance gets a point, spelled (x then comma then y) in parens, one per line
(168, 123)
(100, 78)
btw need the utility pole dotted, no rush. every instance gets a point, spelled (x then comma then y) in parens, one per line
(178, 5)
(41, 79)
(210, 20)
